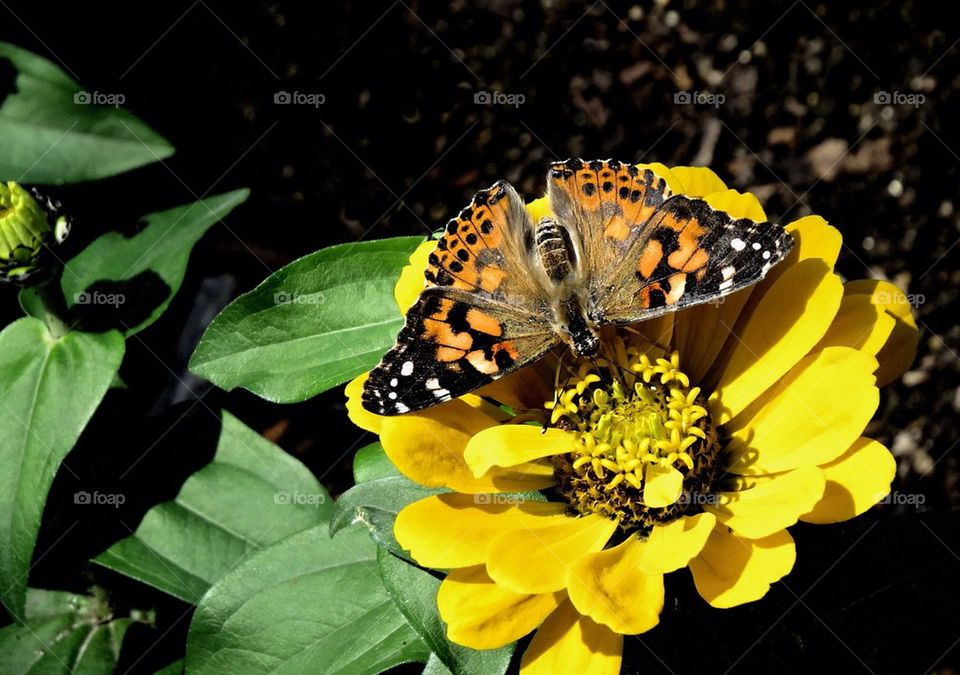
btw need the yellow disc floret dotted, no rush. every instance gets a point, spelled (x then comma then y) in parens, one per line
(646, 448)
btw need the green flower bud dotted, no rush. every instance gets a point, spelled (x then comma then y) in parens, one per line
(26, 233)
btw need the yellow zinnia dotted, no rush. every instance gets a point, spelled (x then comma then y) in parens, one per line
(694, 442)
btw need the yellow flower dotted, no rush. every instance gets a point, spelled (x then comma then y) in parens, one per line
(695, 441)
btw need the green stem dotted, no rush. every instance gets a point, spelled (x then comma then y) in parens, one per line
(55, 310)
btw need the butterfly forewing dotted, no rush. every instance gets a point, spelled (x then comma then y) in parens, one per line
(686, 254)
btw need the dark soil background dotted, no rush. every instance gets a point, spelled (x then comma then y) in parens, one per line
(814, 118)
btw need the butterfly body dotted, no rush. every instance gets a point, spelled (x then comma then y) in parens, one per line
(501, 290)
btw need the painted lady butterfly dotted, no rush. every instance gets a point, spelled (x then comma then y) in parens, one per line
(502, 290)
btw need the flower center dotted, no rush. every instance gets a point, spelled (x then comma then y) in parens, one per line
(646, 449)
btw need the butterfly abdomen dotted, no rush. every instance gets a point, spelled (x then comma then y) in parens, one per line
(558, 262)
(555, 250)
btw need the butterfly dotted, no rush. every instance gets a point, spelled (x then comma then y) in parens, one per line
(502, 290)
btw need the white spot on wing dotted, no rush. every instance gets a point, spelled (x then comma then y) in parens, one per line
(724, 285)
(402, 408)
(756, 245)
(728, 273)
(738, 244)
(392, 395)
(394, 382)
(433, 383)
(766, 255)
(406, 369)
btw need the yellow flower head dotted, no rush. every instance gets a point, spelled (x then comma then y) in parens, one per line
(694, 441)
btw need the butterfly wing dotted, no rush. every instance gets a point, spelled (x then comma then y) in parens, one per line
(607, 202)
(652, 252)
(481, 315)
(687, 254)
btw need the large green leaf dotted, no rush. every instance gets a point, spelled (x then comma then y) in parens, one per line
(381, 491)
(251, 495)
(49, 388)
(311, 325)
(415, 593)
(63, 633)
(308, 604)
(55, 131)
(128, 282)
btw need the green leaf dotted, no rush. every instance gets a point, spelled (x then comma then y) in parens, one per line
(309, 326)
(63, 633)
(415, 592)
(251, 495)
(53, 131)
(120, 266)
(308, 604)
(49, 389)
(381, 491)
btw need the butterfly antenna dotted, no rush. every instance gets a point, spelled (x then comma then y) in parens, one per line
(557, 389)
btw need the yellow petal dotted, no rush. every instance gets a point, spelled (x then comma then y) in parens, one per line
(731, 570)
(737, 204)
(454, 530)
(771, 504)
(790, 319)
(661, 485)
(898, 353)
(359, 415)
(657, 332)
(482, 615)
(814, 237)
(610, 587)
(701, 332)
(859, 324)
(808, 418)
(695, 181)
(411, 281)
(539, 208)
(671, 546)
(427, 447)
(570, 643)
(535, 558)
(512, 444)
(856, 480)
